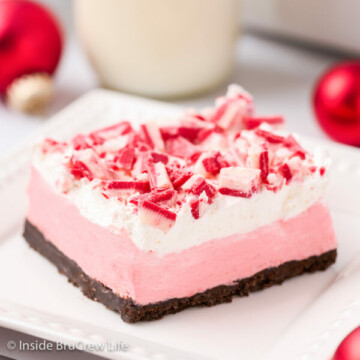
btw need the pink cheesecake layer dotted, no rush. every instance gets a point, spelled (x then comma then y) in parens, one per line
(114, 260)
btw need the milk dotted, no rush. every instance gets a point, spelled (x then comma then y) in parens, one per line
(159, 48)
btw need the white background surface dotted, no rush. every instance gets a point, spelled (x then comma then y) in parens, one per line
(280, 76)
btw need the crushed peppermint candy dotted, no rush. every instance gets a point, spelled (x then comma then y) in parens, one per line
(222, 151)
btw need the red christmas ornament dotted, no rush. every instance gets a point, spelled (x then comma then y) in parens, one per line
(349, 349)
(337, 102)
(30, 49)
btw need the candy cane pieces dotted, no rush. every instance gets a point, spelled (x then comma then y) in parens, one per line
(239, 181)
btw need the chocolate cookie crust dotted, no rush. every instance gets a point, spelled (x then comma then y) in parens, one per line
(132, 312)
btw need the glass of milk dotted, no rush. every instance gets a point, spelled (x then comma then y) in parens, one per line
(159, 48)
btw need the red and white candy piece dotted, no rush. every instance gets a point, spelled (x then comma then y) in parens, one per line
(126, 157)
(258, 158)
(179, 176)
(264, 165)
(190, 127)
(182, 148)
(79, 169)
(164, 197)
(286, 172)
(168, 132)
(195, 207)
(241, 147)
(215, 141)
(159, 157)
(147, 158)
(232, 158)
(236, 91)
(293, 145)
(274, 181)
(239, 181)
(210, 164)
(158, 176)
(121, 187)
(155, 215)
(152, 136)
(190, 131)
(167, 197)
(254, 122)
(231, 109)
(88, 164)
(104, 136)
(113, 131)
(197, 185)
(270, 136)
(253, 158)
(229, 112)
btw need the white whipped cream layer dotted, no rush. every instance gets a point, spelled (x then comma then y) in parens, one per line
(226, 216)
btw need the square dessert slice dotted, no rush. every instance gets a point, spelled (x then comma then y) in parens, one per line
(155, 219)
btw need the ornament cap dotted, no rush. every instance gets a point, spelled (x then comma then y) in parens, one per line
(30, 93)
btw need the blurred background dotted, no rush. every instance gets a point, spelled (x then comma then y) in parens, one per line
(189, 51)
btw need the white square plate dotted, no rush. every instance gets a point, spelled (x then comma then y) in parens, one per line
(271, 324)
